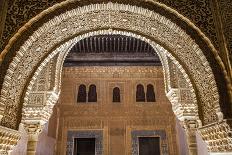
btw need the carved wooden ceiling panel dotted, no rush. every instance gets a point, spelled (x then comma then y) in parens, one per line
(113, 50)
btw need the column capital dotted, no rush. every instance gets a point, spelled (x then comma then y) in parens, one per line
(33, 129)
(191, 127)
(190, 124)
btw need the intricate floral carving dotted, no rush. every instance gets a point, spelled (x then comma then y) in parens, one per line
(225, 8)
(115, 16)
(173, 74)
(199, 13)
(169, 34)
(19, 12)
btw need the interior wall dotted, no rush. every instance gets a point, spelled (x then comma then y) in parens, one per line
(121, 122)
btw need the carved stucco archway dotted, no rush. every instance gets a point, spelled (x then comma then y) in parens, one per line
(61, 52)
(61, 29)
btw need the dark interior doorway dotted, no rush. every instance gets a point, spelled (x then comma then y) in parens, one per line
(84, 146)
(149, 146)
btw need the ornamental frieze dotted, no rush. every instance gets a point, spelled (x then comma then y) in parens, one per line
(200, 13)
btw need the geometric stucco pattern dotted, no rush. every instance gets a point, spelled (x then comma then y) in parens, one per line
(178, 87)
(225, 9)
(217, 136)
(199, 12)
(19, 12)
(9, 139)
(42, 95)
(181, 95)
(114, 16)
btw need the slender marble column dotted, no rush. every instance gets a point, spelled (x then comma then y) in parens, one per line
(191, 128)
(33, 131)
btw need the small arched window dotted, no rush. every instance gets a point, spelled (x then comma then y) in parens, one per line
(116, 94)
(81, 96)
(92, 94)
(140, 95)
(150, 93)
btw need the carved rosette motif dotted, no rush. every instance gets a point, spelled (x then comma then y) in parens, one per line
(131, 19)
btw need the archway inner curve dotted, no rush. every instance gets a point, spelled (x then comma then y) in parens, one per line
(64, 49)
(134, 19)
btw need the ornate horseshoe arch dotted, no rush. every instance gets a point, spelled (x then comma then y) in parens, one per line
(63, 50)
(58, 33)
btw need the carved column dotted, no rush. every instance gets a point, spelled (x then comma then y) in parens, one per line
(33, 131)
(191, 128)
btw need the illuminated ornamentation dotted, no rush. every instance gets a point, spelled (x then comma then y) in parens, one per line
(64, 30)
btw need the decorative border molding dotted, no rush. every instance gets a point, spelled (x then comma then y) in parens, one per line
(98, 134)
(149, 133)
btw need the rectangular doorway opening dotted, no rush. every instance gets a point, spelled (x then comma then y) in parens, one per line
(149, 145)
(84, 146)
